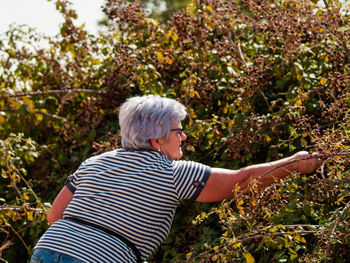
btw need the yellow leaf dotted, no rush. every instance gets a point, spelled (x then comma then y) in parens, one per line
(323, 81)
(2, 119)
(237, 245)
(30, 216)
(169, 61)
(14, 177)
(160, 56)
(237, 188)
(339, 175)
(298, 102)
(282, 226)
(39, 117)
(193, 114)
(249, 257)
(30, 104)
(209, 8)
(25, 196)
(299, 238)
(3, 173)
(268, 138)
(293, 254)
(175, 37)
(273, 229)
(188, 255)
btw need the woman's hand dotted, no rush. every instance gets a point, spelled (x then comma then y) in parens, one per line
(305, 162)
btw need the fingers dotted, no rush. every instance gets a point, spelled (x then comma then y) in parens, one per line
(300, 155)
(308, 162)
(317, 160)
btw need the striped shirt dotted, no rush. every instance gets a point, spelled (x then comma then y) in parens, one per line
(132, 192)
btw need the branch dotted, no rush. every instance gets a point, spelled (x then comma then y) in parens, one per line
(251, 237)
(54, 116)
(20, 238)
(39, 93)
(334, 229)
(21, 209)
(322, 156)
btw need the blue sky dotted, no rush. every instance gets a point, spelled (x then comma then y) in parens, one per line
(43, 16)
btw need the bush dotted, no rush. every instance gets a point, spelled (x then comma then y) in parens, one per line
(260, 79)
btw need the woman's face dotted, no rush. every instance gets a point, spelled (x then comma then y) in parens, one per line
(172, 147)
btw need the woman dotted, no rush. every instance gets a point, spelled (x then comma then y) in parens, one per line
(119, 206)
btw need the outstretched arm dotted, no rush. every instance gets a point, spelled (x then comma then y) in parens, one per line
(221, 182)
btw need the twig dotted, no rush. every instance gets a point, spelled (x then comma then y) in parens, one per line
(258, 235)
(54, 116)
(334, 228)
(264, 96)
(20, 238)
(335, 181)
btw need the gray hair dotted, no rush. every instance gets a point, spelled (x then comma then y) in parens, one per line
(146, 117)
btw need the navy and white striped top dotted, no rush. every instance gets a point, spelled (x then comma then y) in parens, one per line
(134, 193)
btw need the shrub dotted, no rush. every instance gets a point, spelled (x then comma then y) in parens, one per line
(260, 79)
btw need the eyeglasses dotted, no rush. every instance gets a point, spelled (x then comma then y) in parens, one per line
(179, 130)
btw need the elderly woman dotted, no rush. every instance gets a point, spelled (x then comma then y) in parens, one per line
(119, 206)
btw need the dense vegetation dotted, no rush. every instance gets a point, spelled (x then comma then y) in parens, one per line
(260, 79)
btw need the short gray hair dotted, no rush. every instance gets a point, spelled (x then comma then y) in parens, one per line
(146, 117)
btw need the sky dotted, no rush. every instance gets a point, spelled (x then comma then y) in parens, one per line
(43, 15)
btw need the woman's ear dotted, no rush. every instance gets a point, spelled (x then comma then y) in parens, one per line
(155, 144)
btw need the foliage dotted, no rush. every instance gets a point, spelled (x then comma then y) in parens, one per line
(164, 10)
(301, 219)
(260, 79)
(20, 207)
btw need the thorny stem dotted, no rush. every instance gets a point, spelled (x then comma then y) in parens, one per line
(324, 157)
